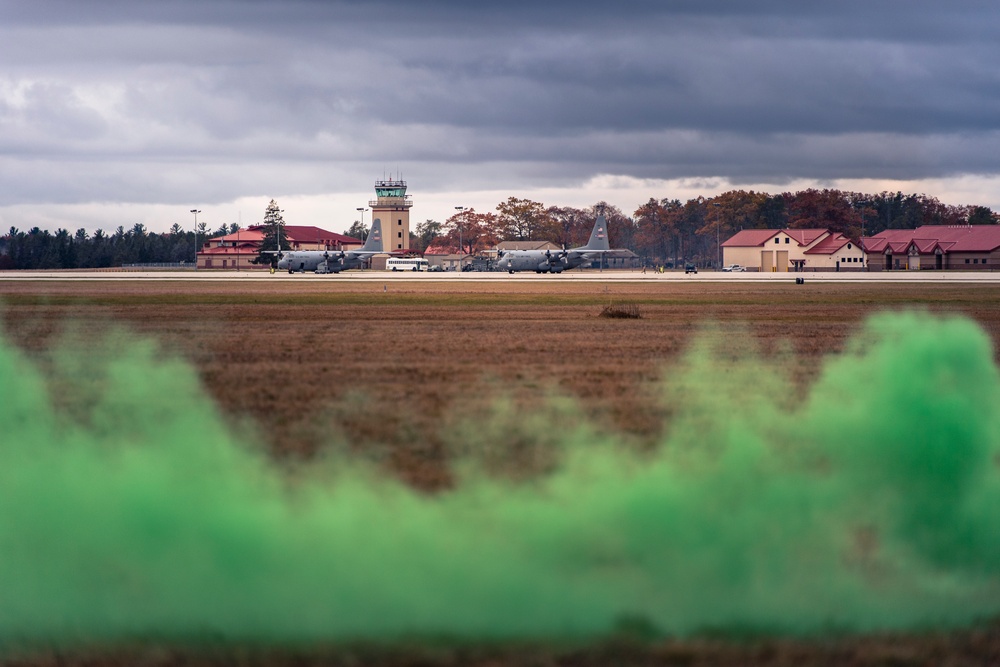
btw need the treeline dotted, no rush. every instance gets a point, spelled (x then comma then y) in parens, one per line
(42, 249)
(659, 231)
(668, 230)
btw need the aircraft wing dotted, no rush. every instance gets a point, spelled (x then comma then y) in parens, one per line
(588, 253)
(614, 252)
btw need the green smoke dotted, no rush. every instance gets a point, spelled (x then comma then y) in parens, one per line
(129, 510)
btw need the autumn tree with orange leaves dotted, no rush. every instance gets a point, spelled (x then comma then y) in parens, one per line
(525, 220)
(474, 231)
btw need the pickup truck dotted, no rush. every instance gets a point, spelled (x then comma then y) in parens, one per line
(733, 268)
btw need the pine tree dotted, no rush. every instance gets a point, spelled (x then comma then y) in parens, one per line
(274, 233)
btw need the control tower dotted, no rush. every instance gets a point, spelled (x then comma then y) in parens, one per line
(393, 208)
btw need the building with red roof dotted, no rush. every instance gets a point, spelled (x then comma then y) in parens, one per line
(448, 257)
(935, 247)
(793, 250)
(236, 251)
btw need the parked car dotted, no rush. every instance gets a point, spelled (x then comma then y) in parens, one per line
(690, 268)
(733, 268)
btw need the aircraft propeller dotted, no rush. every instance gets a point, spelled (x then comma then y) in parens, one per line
(558, 257)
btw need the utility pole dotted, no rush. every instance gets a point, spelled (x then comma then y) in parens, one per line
(718, 238)
(461, 248)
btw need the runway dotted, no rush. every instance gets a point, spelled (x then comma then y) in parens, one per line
(617, 276)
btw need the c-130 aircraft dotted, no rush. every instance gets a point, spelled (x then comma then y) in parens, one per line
(332, 261)
(547, 261)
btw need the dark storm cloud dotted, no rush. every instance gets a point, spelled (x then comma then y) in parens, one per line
(143, 101)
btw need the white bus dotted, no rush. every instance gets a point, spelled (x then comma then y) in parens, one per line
(406, 264)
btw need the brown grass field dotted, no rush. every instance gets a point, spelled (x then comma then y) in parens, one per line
(390, 370)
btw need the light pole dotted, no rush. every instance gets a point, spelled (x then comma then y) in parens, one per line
(718, 239)
(196, 212)
(239, 223)
(277, 228)
(861, 241)
(461, 250)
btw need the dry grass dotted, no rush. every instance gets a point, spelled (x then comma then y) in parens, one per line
(975, 647)
(396, 373)
(324, 363)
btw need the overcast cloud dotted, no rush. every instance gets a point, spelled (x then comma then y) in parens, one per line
(129, 111)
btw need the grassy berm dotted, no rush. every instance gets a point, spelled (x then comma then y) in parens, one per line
(811, 486)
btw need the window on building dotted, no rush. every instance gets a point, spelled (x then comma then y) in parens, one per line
(399, 235)
(399, 222)
(966, 260)
(786, 239)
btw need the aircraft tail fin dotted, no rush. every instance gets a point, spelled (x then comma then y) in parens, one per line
(599, 236)
(374, 241)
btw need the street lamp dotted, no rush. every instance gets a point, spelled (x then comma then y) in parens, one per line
(196, 212)
(861, 241)
(277, 229)
(361, 210)
(461, 250)
(718, 240)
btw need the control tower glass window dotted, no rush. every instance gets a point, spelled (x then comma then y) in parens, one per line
(390, 188)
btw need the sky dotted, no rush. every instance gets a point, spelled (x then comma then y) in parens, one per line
(117, 112)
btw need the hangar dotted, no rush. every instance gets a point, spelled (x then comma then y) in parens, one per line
(783, 250)
(935, 247)
(235, 251)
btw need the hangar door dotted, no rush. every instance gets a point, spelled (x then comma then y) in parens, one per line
(782, 261)
(766, 260)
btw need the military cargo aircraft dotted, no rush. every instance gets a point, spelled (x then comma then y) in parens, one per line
(332, 261)
(548, 261)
